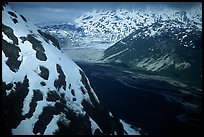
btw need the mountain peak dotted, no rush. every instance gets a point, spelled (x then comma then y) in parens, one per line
(44, 91)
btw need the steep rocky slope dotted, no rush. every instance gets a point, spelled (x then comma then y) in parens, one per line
(43, 91)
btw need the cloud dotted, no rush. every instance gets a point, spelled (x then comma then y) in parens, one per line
(182, 5)
(102, 5)
(39, 12)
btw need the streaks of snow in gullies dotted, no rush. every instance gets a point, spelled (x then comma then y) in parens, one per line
(30, 67)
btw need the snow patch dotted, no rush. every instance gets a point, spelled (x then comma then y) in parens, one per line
(52, 126)
(6, 38)
(116, 54)
(183, 65)
(155, 65)
(94, 126)
(128, 128)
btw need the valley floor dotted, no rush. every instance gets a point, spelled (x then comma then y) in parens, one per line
(93, 54)
(85, 54)
(155, 105)
(176, 104)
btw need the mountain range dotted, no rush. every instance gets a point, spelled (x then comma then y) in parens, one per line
(170, 48)
(166, 42)
(114, 25)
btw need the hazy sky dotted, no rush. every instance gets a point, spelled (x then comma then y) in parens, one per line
(39, 12)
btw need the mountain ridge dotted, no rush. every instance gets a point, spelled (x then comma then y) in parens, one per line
(161, 47)
(44, 91)
(114, 25)
(122, 22)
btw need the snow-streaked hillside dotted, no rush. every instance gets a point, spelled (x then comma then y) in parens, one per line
(166, 48)
(44, 91)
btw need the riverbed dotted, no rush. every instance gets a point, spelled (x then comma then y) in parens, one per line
(153, 105)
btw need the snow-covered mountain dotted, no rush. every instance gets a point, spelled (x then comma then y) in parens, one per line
(43, 91)
(66, 33)
(99, 26)
(113, 25)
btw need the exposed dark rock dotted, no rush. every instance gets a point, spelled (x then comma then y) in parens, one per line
(98, 132)
(48, 37)
(116, 125)
(5, 118)
(9, 33)
(85, 82)
(101, 116)
(9, 86)
(12, 52)
(3, 5)
(70, 86)
(35, 43)
(82, 90)
(37, 46)
(15, 20)
(12, 14)
(23, 39)
(41, 56)
(44, 119)
(52, 96)
(73, 92)
(98, 116)
(74, 99)
(42, 83)
(13, 103)
(36, 97)
(79, 125)
(44, 73)
(23, 18)
(60, 82)
(62, 98)
(60, 107)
